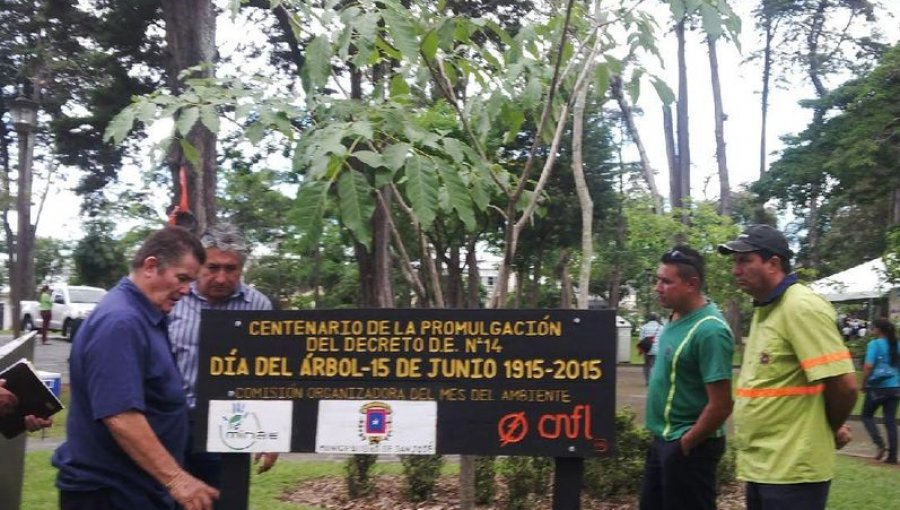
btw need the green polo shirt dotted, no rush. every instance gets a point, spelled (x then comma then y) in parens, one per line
(694, 350)
(781, 431)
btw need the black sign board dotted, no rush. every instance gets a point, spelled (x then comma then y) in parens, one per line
(497, 382)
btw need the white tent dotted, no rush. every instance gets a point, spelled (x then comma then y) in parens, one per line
(865, 281)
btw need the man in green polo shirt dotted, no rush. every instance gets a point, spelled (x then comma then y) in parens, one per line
(689, 395)
(797, 384)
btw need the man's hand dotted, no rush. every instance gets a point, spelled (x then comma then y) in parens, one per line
(842, 436)
(34, 423)
(268, 460)
(8, 399)
(191, 493)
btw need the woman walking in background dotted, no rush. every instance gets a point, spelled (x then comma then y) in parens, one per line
(46, 305)
(881, 385)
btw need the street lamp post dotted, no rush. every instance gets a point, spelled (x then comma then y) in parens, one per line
(24, 116)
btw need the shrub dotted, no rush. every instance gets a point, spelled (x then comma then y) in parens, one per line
(485, 488)
(421, 472)
(359, 481)
(525, 476)
(619, 475)
(726, 473)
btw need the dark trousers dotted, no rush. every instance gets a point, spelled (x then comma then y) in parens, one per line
(88, 500)
(649, 361)
(45, 324)
(673, 481)
(794, 496)
(887, 401)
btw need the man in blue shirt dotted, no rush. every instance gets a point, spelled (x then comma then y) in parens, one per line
(128, 417)
(218, 287)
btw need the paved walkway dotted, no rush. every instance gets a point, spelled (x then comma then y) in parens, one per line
(630, 391)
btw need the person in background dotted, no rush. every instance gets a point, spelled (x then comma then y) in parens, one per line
(648, 333)
(797, 385)
(127, 427)
(689, 397)
(45, 303)
(218, 287)
(882, 389)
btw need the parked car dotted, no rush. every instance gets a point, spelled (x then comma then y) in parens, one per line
(70, 302)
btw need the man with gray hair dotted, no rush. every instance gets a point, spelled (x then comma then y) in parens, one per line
(218, 287)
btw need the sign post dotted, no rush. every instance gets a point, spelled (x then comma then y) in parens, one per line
(412, 381)
(12, 451)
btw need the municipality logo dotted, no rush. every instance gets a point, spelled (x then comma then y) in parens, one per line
(240, 429)
(375, 422)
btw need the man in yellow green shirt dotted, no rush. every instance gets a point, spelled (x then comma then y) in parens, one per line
(689, 394)
(797, 384)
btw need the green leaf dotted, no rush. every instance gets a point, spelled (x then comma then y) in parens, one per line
(318, 63)
(309, 207)
(459, 196)
(455, 149)
(430, 44)
(398, 87)
(356, 205)
(186, 119)
(663, 91)
(209, 117)
(190, 152)
(395, 155)
(602, 78)
(120, 125)
(402, 30)
(369, 158)
(634, 86)
(712, 22)
(146, 112)
(422, 189)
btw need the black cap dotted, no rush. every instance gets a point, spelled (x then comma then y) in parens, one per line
(756, 238)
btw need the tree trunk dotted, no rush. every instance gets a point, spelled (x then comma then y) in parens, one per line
(584, 200)
(764, 101)
(473, 287)
(684, 146)
(381, 244)
(191, 41)
(675, 193)
(615, 87)
(565, 279)
(724, 186)
(455, 294)
(895, 207)
(534, 290)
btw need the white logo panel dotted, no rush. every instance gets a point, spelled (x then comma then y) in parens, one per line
(249, 426)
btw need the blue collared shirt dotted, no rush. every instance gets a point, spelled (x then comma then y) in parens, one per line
(779, 290)
(120, 361)
(184, 329)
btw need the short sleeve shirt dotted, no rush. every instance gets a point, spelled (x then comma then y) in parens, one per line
(651, 329)
(781, 431)
(694, 351)
(120, 361)
(877, 353)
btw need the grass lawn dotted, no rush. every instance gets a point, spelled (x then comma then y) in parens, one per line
(860, 484)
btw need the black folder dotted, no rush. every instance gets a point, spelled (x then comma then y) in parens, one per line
(34, 397)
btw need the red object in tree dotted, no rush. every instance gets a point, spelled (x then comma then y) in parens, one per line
(180, 215)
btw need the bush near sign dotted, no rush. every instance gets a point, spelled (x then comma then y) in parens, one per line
(505, 382)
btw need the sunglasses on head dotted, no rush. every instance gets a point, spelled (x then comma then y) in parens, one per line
(679, 257)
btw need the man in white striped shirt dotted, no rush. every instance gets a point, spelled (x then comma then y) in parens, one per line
(218, 287)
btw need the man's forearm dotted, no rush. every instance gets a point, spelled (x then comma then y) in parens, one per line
(133, 434)
(717, 410)
(840, 396)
